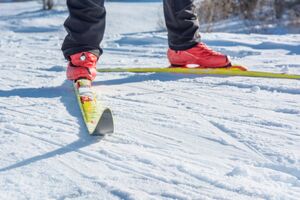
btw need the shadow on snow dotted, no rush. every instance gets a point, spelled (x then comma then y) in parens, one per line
(69, 101)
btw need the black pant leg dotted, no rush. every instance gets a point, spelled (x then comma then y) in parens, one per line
(182, 24)
(85, 26)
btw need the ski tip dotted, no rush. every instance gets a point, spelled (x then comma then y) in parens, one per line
(105, 125)
(238, 67)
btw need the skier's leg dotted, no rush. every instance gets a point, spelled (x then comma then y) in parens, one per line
(183, 34)
(182, 24)
(85, 26)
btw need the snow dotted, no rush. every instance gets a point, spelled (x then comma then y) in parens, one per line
(177, 136)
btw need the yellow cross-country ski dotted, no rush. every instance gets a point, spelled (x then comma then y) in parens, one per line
(234, 70)
(98, 119)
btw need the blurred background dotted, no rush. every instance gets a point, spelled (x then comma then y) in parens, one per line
(237, 15)
(265, 13)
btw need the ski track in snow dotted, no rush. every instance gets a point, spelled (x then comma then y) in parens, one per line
(177, 136)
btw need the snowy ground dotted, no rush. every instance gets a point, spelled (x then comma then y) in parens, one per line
(177, 136)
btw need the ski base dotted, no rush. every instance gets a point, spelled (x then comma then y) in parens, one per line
(98, 119)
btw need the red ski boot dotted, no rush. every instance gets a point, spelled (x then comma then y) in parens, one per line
(200, 55)
(82, 66)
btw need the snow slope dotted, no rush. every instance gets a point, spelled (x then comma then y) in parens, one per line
(177, 136)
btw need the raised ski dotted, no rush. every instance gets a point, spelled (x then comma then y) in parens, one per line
(98, 119)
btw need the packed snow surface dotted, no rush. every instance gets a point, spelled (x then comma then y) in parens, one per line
(177, 136)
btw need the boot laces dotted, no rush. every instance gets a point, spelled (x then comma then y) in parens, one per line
(203, 49)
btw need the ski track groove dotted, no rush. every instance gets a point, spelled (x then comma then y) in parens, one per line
(189, 98)
(82, 177)
(81, 152)
(119, 167)
(226, 131)
(190, 113)
(291, 91)
(169, 107)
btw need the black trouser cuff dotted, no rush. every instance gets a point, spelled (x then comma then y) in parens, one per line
(183, 46)
(72, 51)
